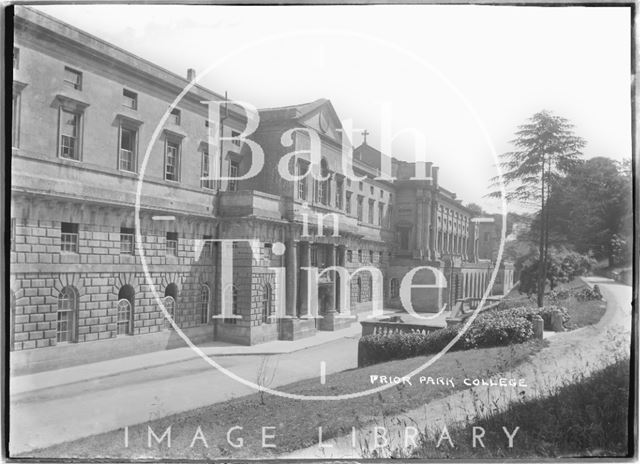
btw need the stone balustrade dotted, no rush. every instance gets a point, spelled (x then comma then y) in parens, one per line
(390, 327)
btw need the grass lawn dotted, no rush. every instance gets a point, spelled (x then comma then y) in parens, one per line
(581, 313)
(296, 422)
(586, 418)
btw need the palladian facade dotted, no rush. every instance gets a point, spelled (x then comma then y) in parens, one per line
(85, 286)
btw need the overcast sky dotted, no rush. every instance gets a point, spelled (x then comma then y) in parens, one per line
(451, 72)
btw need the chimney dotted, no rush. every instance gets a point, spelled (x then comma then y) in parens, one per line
(191, 74)
(428, 170)
(434, 174)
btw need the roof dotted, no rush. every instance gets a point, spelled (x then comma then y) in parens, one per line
(301, 109)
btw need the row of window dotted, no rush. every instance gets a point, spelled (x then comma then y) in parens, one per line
(69, 240)
(70, 148)
(360, 256)
(322, 194)
(70, 134)
(67, 313)
(68, 299)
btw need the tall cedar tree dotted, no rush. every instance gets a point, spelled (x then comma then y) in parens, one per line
(545, 150)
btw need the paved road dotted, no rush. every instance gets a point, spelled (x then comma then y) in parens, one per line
(55, 415)
(568, 353)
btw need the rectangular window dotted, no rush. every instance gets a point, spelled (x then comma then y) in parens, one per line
(349, 256)
(348, 203)
(339, 193)
(172, 161)
(389, 213)
(371, 190)
(172, 244)
(126, 241)
(69, 237)
(359, 256)
(371, 256)
(404, 239)
(69, 134)
(130, 99)
(16, 58)
(381, 193)
(128, 148)
(268, 254)
(370, 212)
(174, 117)
(72, 78)
(359, 211)
(361, 186)
(233, 172)
(236, 142)
(380, 213)
(301, 168)
(205, 181)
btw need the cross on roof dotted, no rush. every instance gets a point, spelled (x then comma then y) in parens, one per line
(364, 134)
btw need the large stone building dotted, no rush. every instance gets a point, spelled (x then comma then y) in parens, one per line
(84, 112)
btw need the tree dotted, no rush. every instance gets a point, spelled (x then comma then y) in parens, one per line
(476, 209)
(545, 150)
(592, 209)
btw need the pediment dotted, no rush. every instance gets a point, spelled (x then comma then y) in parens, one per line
(324, 119)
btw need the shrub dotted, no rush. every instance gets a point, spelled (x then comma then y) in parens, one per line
(559, 295)
(376, 348)
(587, 294)
(498, 329)
(545, 313)
(493, 328)
(562, 266)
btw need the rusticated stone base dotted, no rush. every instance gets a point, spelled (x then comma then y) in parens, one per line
(295, 329)
(331, 321)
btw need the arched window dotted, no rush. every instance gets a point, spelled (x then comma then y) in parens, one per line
(170, 302)
(267, 304)
(359, 290)
(370, 292)
(126, 298)
(204, 304)
(394, 288)
(67, 315)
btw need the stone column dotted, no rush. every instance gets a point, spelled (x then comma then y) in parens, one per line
(291, 259)
(333, 261)
(342, 251)
(419, 220)
(462, 284)
(434, 229)
(305, 261)
(427, 227)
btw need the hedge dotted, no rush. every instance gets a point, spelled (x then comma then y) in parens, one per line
(545, 313)
(494, 328)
